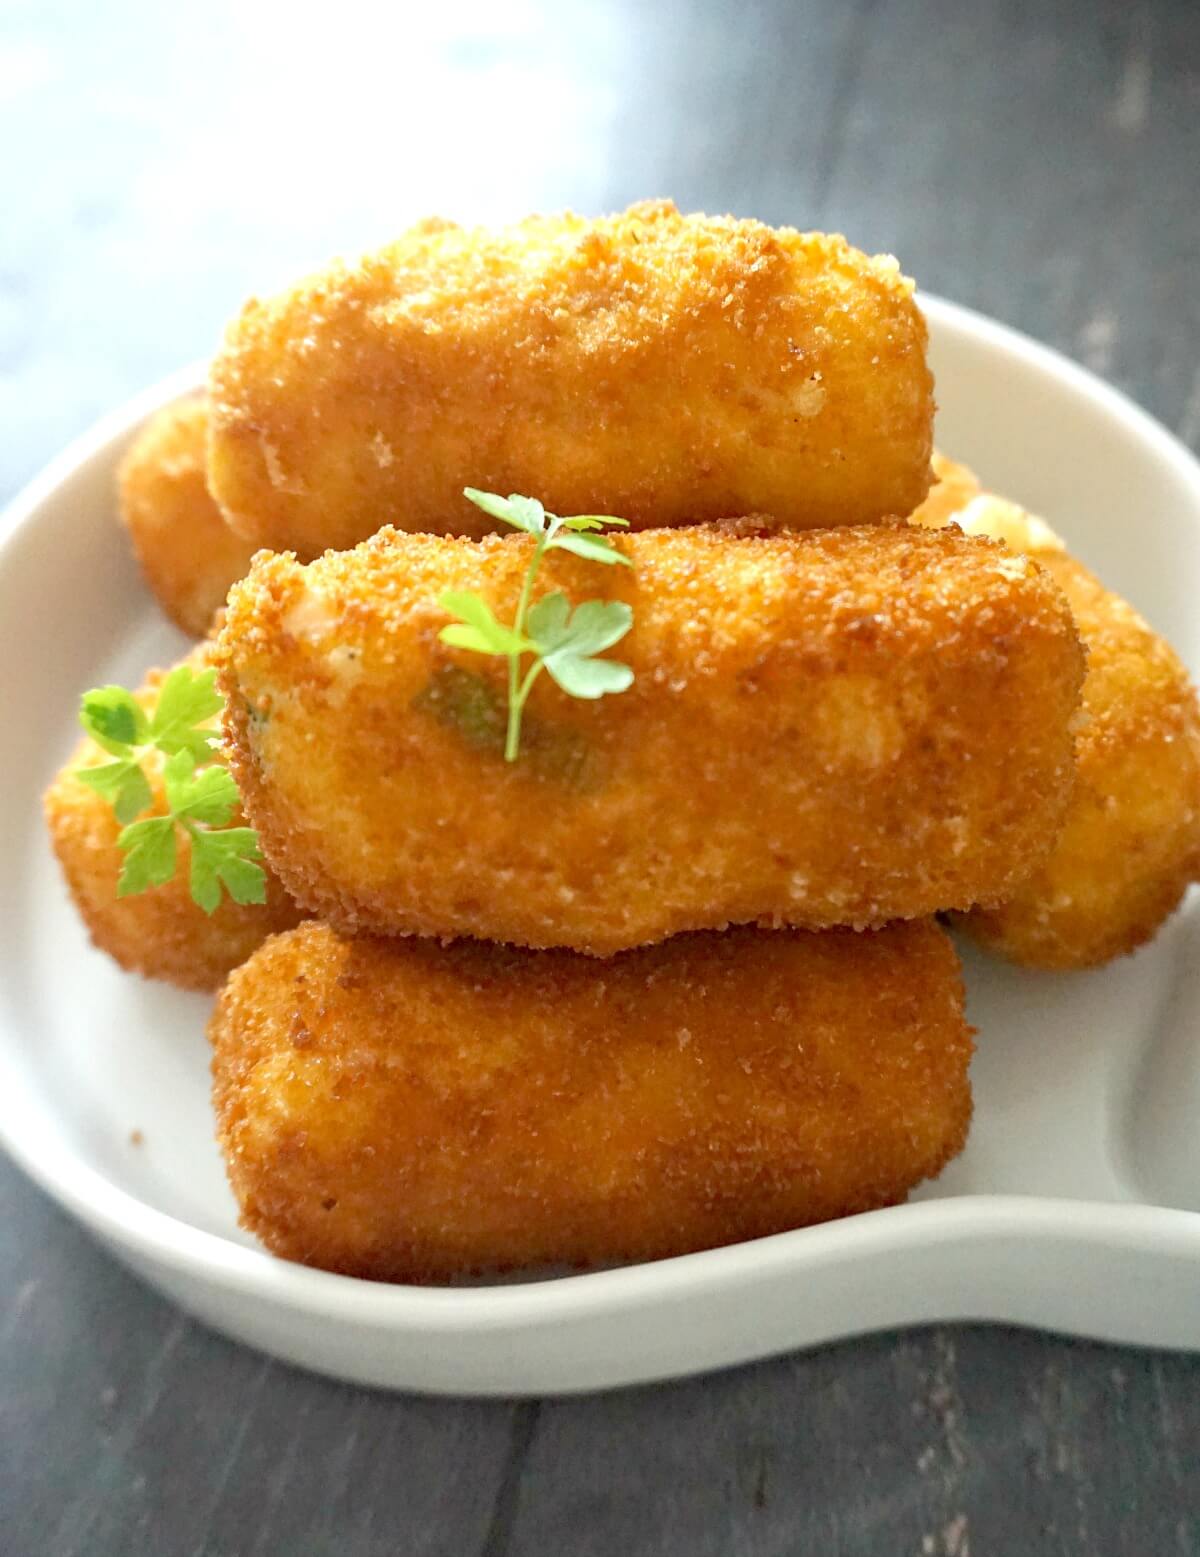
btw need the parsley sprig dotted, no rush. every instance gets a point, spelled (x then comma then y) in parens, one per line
(562, 641)
(200, 793)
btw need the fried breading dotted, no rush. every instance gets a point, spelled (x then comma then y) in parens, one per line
(661, 367)
(954, 485)
(1130, 844)
(161, 932)
(188, 554)
(412, 1112)
(829, 727)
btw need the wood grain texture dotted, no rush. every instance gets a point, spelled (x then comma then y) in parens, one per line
(1036, 160)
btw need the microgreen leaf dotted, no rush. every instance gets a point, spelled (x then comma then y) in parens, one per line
(186, 699)
(149, 849)
(595, 548)
(548, 620)
(582, 677)
(113, 718)
(595, 625)
(503, 642)
(561, 642)
(526, 513)
(478, 628)
(593, 522)
(523, 513)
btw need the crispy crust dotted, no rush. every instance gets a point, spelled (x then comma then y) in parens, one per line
(159, 933)
(188, 554)
(954, 486)
(1130, 844)
(410, 1112)
(843, 726)
(663, 367)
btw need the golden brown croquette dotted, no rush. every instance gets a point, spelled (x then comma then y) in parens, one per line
(828, 727)
(1130, 844)
(188, 554)
(665, 368)
(413, 1112)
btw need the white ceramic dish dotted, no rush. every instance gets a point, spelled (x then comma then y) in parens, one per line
(1075, 1207)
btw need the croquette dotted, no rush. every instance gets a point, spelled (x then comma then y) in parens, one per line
(843, 726)
(1130, 844)
(413, 1112)
(661, 367)
(188, 554)
(954, 485)
(160, 933)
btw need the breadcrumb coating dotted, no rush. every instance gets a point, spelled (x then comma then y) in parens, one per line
(661, 367)
(1130, 844)
(831, 727)
(954, 486)
(188, 554)
(411, 1112)
(160, 933)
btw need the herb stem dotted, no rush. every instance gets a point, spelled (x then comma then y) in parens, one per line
(518, 692)
(531, 676)
(512, 738)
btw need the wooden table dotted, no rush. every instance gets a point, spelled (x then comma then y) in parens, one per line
(1039, 161)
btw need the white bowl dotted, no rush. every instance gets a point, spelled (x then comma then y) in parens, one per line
(1075, 1206)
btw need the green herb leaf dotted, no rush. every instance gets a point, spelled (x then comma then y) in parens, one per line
(459, 636)
(230, 859)
(149, 848)
(207, 795)
(595, 625)
(122, 784)
(548, 620)
(526, 513)
(109, 778)
(585, 678)
(114, 719)
(478, 628)
(594, 548)
(201, 795)
(523, 513)
(186, 699)
(593, 522)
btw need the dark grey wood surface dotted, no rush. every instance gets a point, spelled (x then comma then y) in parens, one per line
(1040, 161)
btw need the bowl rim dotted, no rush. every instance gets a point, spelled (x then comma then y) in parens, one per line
(148, 1234)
